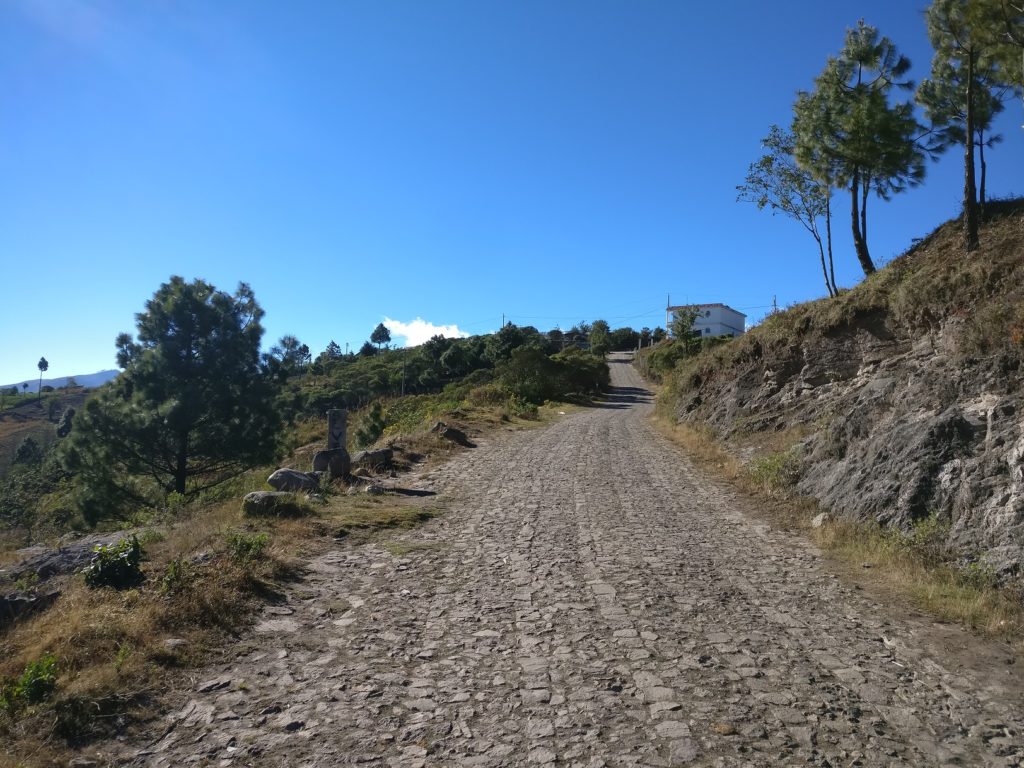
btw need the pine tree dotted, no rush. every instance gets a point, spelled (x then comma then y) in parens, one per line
(43, 366)
(959, 97)
(192, 407)
(381, 335)
(848, 135)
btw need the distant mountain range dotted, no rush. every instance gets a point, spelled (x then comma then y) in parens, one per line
(89, 380)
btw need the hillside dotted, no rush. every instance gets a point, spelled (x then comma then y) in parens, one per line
(896, 402)
(88, 380)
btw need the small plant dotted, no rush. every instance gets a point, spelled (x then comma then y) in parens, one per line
(124, 652)
(775, 471)
(925, 541)
(247, 548)
(27, 583)
(979, 575)
(175, 578)
(36, 683)
(116, 565)
(517, 407)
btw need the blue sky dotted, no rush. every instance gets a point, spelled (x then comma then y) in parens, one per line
(448, 161)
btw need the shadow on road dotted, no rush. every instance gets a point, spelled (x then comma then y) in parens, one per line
(624, 397)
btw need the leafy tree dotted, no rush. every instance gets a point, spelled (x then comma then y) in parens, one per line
(43, 366)
(24, 387)
(368, 350)
(529, 374)
(600, 343)
(624, 339)
(682, 322)
(381, 335)
(499, 346)
(777, 182)
(658, 334)
(192, 407)
(848, 135)
(645, 336)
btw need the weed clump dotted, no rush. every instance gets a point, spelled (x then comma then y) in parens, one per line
(35, 684)
(247, 548)
(116, 565)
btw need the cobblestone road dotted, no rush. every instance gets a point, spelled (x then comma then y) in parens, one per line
(590, 600)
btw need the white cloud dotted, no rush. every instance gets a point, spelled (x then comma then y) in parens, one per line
(419, 331)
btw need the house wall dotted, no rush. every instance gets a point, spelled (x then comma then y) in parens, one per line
(715, 320)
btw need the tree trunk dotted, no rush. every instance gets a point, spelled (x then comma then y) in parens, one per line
(828, 240)
(181, 466)
(824, 266)
(859, 243)
(981, 181)
(970, 191)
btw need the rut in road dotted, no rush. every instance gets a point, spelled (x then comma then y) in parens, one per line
(589, 599)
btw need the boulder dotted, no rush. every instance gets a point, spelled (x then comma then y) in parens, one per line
(820, 520)
(272, 504)
(373, 459)
(448, 432)
(22, 603)
(335, 462)
(293, 480)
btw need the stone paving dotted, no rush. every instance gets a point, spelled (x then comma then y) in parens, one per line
(589, 599)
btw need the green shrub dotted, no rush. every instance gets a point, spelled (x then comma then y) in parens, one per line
(775, 471)
(246, 548)
(371, 427)
(926, 540)
(530, 375)
(34, 685)
(176, 577)
(116, 565)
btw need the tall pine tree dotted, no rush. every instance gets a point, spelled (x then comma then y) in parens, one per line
(849, 136)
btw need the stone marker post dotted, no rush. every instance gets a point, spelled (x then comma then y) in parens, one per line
(337, 425)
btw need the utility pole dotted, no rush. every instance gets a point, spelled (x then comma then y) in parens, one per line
(775, 306)
(502, 319)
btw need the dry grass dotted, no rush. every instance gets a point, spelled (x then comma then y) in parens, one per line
(906, 567)
(111, 645)
(933, 282)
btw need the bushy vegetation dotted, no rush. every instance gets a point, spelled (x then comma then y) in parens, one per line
(36, 682)
(115, 565)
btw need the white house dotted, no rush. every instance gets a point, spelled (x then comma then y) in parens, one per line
(712, 320)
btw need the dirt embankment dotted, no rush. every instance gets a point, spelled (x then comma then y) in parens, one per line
(906, 392)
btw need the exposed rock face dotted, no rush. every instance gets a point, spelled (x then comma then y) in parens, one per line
(898, 429)
(335, 462)
(293, 480)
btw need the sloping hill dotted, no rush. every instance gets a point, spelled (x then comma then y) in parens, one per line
(905, 394)
(88, 380)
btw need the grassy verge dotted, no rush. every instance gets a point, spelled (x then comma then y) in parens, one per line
(913, 566)
(99, 657)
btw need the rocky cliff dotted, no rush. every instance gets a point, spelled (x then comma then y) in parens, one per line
(906, 391)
